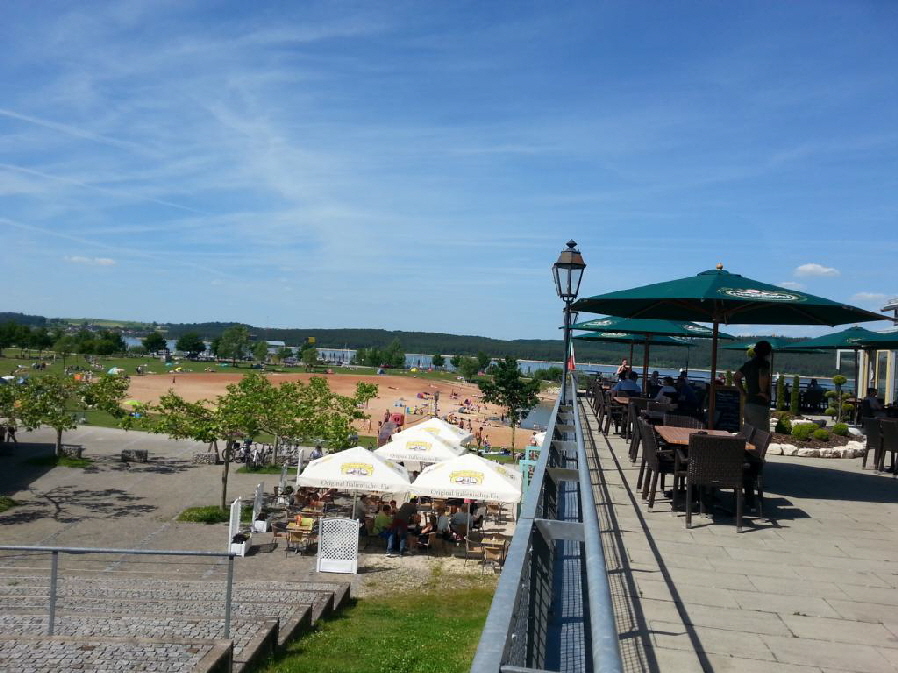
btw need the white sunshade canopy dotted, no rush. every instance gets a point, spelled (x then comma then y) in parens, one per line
(418, 444)
(469, 476)
(450, 434)
(355, 469)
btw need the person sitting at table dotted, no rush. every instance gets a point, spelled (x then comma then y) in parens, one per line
(458, 523)
(668, 392)
(624, 369)
(687, 402)
(443, 524)
(627, 385)
(398, 532)
(382, 522)
(871, 406)
(360, 509)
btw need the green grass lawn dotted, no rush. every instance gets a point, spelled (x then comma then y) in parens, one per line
(432, 630)
(59, 461)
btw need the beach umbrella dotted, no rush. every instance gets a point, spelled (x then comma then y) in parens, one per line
(448, 433)
(469, 476)
(420, 445)
(717, 296)
(356, 469)
(777, 344)
(880, 340)
(649, 328)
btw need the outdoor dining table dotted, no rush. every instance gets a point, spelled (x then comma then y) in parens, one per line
(679, 436)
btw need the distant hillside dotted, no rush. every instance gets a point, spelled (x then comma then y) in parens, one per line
(661, 357)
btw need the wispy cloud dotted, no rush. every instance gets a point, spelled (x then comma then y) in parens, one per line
(92, 261)
(791, 285)
(814, 269)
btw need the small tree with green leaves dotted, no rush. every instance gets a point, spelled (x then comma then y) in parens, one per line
(437, 360)
(468, 367)
(190, 343)
(795, 395)
(234, 343)
(838, 382)
(310, 358)
(58, 401)
(483, 360)
(153, 342)
(260, 351)
(511, 391)
(455, 361)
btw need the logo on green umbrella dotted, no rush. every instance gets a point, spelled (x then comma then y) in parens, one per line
(600, 323)
(697, 328)
(760, 295)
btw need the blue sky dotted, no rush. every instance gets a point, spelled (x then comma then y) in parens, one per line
(418, 166)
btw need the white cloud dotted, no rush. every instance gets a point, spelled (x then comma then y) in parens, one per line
(814, 269)
(95, 261)
(868, 297)
(789, 285)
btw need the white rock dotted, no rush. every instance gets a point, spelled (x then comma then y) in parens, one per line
(857, 446)
(855, 431)
(828, 453)
(789, 450)
(775, 450)
(801, 421)
(808, 453)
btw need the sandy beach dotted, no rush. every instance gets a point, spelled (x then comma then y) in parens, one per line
(395, 393)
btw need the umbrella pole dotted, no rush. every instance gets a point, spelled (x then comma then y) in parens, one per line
(645, 367)
(711, 383)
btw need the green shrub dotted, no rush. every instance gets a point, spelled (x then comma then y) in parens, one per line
(781, 393)
(210, 514)
(830, 394)
(839, 381)
(831, 412)
(803, 431)
(783, 422)
(729, 378)
(821, 435)
(6, 502)
(840, 429)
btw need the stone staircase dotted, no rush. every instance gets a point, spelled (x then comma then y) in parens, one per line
(143, 623)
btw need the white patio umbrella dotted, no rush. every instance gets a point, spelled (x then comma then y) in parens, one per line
(357, 470)
(451, 434)
(469, 476)
(418, 444)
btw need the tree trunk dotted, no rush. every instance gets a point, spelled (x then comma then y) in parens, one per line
(513, 426)
(58, 442)
(224, 476)
(274, 450)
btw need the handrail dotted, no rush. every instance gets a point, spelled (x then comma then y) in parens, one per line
(606, 651)
(516, 633)
(54, 571)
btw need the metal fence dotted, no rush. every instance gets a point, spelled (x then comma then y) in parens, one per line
(54, 572)
(552, 608)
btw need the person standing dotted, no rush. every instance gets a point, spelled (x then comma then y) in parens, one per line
(753, 380)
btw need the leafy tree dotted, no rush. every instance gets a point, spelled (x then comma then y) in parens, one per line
(65, 345)
(795, 396)
(468, 367)
(56, 401)
(234, 343)
(310, 358)
(284, 353)
(509, 390)
(455, 361)
(781, 393)
(260, 351)
(483, 360)
(190, 343)
(393, 355)
(437, 360)
(154, 342)
(549, 374)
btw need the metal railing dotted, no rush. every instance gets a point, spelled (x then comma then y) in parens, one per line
(54, 572)
(539, 618)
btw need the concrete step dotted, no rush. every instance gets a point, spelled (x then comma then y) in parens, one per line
(46, 654)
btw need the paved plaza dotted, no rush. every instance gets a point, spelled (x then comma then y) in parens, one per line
(812, 587)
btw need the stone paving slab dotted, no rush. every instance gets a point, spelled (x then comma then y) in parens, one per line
(47, 654)
(811, 587)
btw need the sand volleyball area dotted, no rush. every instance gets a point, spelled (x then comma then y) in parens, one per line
(395, 394)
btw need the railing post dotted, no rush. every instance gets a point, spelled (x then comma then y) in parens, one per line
(228, 589)
(54, 573)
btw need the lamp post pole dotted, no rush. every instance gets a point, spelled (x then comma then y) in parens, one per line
(568, 272)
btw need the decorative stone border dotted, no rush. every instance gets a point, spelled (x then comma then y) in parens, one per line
(854, 449)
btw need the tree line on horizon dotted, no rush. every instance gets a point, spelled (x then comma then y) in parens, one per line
(379, 341)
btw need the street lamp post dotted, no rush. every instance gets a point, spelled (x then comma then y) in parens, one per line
(568, 272)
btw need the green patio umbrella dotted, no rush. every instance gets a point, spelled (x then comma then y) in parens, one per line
(848, 339)
(885, 341)
(775, 343)
(717, 296)
(649, 328)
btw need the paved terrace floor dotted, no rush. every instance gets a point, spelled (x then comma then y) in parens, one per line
(810, 588)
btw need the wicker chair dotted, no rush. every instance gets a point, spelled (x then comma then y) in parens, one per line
(889, 432)
(614, 412)
(683, 421)
(636, 405)
(717, 462)
(655, 463)
(747, 431)
(599, 407)
(661, 406)
(635, 441)
(874, 441)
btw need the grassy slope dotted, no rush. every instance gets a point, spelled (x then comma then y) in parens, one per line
(433, 630)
